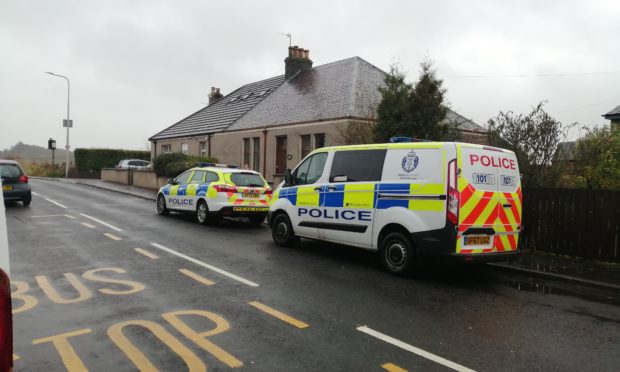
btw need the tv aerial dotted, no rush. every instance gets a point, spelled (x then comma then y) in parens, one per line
(289, 37)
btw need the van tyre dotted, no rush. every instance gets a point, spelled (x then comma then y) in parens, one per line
(397, 253)
(162, 210)
(282, 231)
(202, 212)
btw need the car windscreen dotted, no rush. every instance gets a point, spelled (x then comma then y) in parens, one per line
(247, 179)
(10, 171)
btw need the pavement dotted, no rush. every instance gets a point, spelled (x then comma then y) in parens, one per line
(535, 264)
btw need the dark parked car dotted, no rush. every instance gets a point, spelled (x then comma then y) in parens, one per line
(15, 185)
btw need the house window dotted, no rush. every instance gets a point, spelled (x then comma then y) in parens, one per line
(166, 149)
(319, 140)
(184, 148)
(280, 154)
(245, 164)
(306, 146)
(203, 148)
(256, 154)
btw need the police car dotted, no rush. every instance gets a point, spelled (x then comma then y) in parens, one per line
(212, 192)
(404, 199)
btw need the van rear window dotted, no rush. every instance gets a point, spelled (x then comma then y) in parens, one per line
(358, 165)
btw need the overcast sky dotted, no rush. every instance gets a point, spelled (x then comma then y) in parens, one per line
(137, 67)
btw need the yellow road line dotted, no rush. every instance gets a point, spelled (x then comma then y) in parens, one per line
(393, 368)
(146, 253)
(197, 277)
(88, 225)
(112, 236)
(283, 317)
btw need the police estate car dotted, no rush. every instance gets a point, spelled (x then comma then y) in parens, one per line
(404, 200)
(212, 192)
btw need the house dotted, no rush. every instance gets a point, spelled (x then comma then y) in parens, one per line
(270, 125)
(614, 116)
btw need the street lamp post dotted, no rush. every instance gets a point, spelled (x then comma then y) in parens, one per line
(68, 121)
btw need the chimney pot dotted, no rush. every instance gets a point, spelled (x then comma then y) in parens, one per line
(298, 60)
(215, 95)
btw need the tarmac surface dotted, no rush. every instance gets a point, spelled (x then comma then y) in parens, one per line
(101, 282)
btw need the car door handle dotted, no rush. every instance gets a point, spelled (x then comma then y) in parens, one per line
(507, 205)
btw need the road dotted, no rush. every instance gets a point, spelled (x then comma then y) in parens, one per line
(101, 282)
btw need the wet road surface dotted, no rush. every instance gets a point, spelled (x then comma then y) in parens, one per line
(101, 282)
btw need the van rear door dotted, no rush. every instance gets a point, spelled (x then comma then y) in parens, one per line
(490, 205)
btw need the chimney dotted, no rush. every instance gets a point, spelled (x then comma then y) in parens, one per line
(298, 60)
(215, 95)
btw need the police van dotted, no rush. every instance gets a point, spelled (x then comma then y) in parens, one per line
(212, 191)
(6, 317)
(404, 200)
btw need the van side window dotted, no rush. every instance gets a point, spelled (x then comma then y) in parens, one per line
(311, 169)
(358, 165)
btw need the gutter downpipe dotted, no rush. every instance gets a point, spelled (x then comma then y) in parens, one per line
(265, 151)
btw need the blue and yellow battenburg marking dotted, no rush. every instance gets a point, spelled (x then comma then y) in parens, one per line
(365, 196)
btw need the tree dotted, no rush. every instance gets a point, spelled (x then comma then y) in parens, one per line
(391, 109)
(598, 158)
(534, 138)
(414, 111)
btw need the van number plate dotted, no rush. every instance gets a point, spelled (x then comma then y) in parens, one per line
(7, 188)
(248, 195)
(477, 240)
(483, 178)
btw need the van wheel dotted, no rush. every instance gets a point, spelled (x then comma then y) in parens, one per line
(161, 206)
(202, 212)
(397, 253)
(282, 231)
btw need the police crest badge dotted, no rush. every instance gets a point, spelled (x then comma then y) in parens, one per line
(410, 162)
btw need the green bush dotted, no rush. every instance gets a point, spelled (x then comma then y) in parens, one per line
(92, 160)
(171, 165)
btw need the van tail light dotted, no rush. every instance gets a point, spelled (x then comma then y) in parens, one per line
(225, 188)
(452, 212)
(6, 324)
(23, 179)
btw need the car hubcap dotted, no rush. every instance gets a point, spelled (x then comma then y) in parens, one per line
(282, 230)
(396, 255)
(202, 213)
(161, 205)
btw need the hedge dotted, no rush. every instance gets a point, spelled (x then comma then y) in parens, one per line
(173, 164)
(92, 160)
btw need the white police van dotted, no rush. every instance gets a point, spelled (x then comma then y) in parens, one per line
(404, 200)
(6, 316)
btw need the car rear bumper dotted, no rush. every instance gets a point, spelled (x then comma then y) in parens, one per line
(21, 192)
(242, 211)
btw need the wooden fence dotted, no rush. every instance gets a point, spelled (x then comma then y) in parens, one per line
(582, 223)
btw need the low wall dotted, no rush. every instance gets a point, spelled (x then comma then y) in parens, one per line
(141, 178)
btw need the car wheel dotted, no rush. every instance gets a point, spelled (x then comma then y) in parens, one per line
(397, 253)
(282, 231)
(202, 212)
(161, 206)
(257, 220)
(26, 202)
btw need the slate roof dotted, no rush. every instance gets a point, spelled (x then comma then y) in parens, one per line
(613, 114)
(463, 123)
(342, 89)
(221, 114)
(346, 88)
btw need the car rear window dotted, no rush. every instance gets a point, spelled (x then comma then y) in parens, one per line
(10, 171)
(247, 179)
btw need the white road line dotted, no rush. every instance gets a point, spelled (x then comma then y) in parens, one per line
(220, 271)
(48, 215)
(101, 222)
(88, 225)
(57, 203)
(413, 349)
(112, 236)
(69, 216)
(34, 193)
